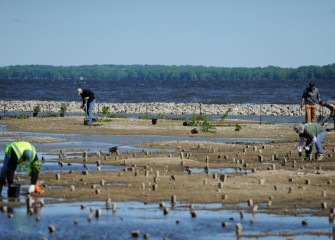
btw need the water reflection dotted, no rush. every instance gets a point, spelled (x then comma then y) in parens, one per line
(92, 220)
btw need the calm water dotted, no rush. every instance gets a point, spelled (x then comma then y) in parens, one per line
(71, 222)
(260, 91)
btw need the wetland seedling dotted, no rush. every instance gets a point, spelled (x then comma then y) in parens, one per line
(238, 127)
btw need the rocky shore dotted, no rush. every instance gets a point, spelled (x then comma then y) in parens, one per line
(160, 108)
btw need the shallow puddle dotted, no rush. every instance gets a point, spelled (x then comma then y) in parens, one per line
(93, 143)
(65, 167)
(72, 221)
(219, 170)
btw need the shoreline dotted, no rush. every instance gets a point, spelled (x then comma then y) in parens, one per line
(162, 108)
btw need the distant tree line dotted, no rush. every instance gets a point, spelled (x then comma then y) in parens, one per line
(161, 72)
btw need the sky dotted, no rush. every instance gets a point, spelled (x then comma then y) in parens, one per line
(220, 33)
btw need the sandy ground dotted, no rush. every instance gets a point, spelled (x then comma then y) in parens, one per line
(269, 176)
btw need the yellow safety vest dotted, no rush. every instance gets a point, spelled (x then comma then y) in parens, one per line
(19, 148)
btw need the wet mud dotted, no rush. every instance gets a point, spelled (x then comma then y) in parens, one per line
(261, 178)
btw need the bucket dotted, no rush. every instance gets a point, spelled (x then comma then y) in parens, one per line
(14, 191)
(154, 121)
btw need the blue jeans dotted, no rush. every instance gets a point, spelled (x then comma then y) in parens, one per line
(318, 144)
(4, 170)
(90, 107)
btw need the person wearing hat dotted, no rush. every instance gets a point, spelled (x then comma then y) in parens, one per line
(310, 98)
(88, 99)
(24, 155)
(330, 104)
(314, 134)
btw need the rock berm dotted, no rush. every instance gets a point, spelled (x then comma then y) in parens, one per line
(159, 108)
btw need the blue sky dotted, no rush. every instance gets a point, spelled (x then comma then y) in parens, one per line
(224, 33)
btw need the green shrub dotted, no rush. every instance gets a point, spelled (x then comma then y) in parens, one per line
(206, 126)
(238, 127)
(105, 110)
(37, 108)
(63, 107)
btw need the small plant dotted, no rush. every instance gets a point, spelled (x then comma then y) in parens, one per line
(37, 108)
(105, 120)
(63, 109)
(225, 115)
(206, 126)
(200, 117)
(238, 127)
(201, 122)
(196, 119)
(105, 110)
(193, 122)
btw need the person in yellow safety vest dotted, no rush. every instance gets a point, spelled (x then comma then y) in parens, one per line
(22, 154)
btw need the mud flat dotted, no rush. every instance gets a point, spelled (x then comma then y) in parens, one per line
(285, 174)
(270, 177)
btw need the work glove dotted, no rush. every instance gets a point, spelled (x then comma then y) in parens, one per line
(35, 188)
(38, 189)
(307, 148)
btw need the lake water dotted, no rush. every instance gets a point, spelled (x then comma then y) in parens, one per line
(218, 92)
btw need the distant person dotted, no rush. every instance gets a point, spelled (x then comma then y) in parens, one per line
(88, 101)
(310, 98)
(314, 134)
(330, 104)
(24, 155)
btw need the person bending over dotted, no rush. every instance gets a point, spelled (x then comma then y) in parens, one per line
(22, 155)
(314, 134)
(88, 99)
(330, 104)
